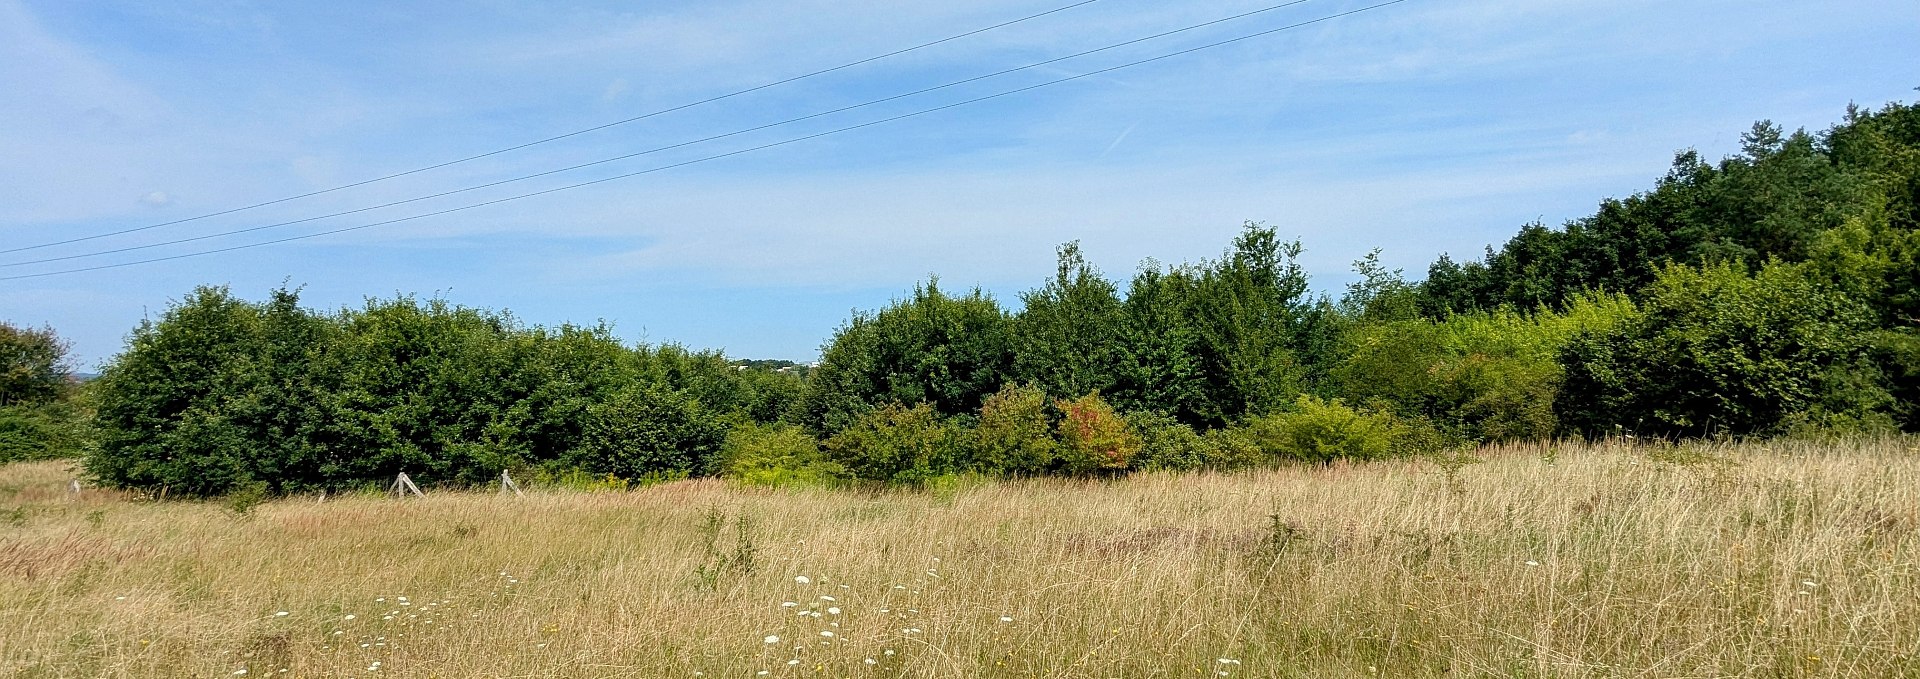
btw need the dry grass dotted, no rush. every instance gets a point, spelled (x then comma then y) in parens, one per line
(1582, 561)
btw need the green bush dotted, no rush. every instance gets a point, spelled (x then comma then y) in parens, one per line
(1168, 444)
(1317, 430)
(1014, 435)
(40, 433)
(901, 444)
(777, 455)
(1483, 376)
(1717, 350)
(1093, 438)
(649, 430)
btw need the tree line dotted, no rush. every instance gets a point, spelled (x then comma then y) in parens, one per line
(1769, 293)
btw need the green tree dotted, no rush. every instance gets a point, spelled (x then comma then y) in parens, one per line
(946, 351)
(1715, 350)
(1247, 309)
(1066, 337)
(1158, 367)
(33, 367)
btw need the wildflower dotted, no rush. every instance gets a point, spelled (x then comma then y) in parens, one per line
(1531, 562)
(773, 639)
(826, 634)
(1006, 619)
(119, 598)
(888, 652)
(1228, 661)
(760, 673)
(1809, 583)
(833, 610)
(350, 616)
(804, 580)
(794, 661)
(824, 597)
(788, 604)
(242, 670)
(870, 661)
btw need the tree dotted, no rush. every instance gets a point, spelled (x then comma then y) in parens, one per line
(33, 368)
(1065, 338)
(946, 351)
(1247, 310)
(1157, 366)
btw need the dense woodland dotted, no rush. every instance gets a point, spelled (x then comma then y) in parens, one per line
(1772, 293)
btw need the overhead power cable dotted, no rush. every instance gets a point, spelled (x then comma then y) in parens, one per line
(559, 137)
(603, 161)
(720, 155)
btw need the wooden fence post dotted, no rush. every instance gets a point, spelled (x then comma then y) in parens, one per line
(403, 485)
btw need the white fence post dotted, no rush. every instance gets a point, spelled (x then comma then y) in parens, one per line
(403, 485)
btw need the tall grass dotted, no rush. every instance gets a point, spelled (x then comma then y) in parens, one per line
(1774, 560)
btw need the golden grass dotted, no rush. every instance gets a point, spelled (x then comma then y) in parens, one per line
(1780, 560)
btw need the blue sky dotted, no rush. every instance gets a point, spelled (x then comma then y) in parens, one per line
(1426, 127)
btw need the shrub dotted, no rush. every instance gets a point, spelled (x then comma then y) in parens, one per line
(1170, 445)
(39, 433)
(649, 430)
(1014, 435)
(1717, 350)
(900, 444)
(1484, 376)
(1322, 431)
(777, 455)
(1093, 438)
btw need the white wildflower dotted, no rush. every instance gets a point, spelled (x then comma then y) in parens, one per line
(1005, 619)
(804, 580)
(826, 634)
(833, 610)
(773, 639)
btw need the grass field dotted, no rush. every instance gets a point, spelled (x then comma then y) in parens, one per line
(1766, 560)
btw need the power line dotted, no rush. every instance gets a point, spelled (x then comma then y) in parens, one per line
(718, 156)
(789, 121)
(559, 137)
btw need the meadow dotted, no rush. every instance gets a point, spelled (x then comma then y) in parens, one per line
(1781, 559)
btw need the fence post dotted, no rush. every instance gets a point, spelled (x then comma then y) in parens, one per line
(403, 485)
(507, 484)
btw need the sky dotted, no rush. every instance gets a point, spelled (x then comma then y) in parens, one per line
(1422, 127)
